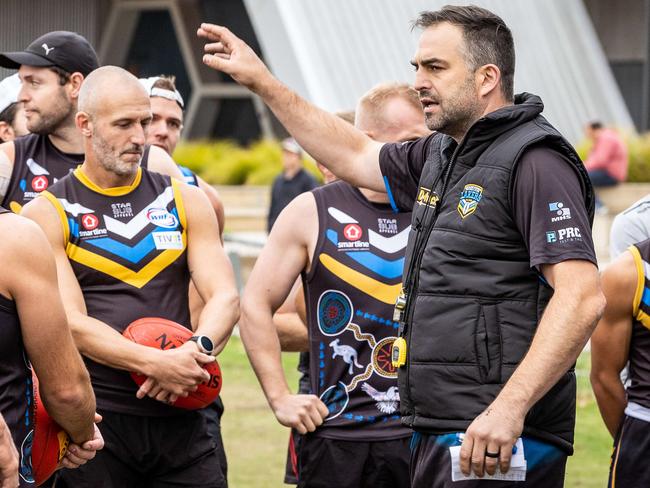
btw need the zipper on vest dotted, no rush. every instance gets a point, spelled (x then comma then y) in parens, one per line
(413, 281)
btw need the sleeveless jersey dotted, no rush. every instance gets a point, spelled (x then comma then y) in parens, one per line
(350, 292)
(16, 389)
(639, 355)
(127, 248)
(188, 175)
(38, 164)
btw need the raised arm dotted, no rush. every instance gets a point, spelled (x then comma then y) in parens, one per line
(344, 150)
(285, 255)
(610, 343)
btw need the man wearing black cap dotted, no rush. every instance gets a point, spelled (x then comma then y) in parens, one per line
(52, 69)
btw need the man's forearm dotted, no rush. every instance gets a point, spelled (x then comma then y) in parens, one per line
(291, 331)
(74, 409)
(218, 318)
(611, 399)
(103, 344)
(263, 349)
(328, 139)
(565, 327)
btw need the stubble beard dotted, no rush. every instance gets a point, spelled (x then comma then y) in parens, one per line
(457, 113)
(110, 159)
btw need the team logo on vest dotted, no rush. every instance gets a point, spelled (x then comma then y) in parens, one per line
(162, 218)
(40, 183)
(469, 199)
(352, 232)
(89, 221)
(425, 197)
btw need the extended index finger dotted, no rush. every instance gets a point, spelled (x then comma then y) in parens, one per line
(215, 32)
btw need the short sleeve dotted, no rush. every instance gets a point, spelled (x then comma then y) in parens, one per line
(549, 208)
(630, 227)
(401, 166)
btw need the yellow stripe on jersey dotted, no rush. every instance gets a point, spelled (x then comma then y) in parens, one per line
(370, 286)
(180, 206)
(116, 191)
(61, 211)
(137, 279)
(640, 279)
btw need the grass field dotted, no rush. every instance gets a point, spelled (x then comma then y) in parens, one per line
(256, 444)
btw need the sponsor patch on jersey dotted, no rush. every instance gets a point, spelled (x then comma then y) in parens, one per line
(40, 183)
(89, 221)
(387, 226)
(162, 218)
(559, 211)
(352, 232)
(168, 240)
(568, 234)
(122, 210)
(469, 199)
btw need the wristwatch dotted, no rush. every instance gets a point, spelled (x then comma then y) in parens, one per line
(204, 342)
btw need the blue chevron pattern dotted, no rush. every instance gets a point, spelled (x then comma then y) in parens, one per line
(383, 267)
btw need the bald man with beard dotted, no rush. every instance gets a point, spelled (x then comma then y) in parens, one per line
(95, 218)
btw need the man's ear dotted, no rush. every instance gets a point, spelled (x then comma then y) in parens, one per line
(84, 123)
(76, 79)
(6, 132)
(488, 79)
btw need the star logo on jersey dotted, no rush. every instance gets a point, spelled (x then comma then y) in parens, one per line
(352, 232)
(89, 221)
(40, 183)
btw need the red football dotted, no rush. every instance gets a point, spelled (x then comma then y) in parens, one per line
(50, 441)
(165, 334)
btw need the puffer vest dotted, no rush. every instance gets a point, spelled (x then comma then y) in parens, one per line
(472, 300)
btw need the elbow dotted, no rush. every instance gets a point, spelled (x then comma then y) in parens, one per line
(74, 396)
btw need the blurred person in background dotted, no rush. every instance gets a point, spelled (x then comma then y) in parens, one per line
(607, 161)
(12, 113)
(293, 180)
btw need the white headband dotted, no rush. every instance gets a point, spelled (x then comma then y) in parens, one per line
(9, 88)
(161, 92)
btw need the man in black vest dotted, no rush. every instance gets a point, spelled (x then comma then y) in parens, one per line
(492, 315)
(358, 443)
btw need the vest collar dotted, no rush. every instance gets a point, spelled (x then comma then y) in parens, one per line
(116, 191)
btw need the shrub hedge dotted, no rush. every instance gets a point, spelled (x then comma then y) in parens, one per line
(226, 163)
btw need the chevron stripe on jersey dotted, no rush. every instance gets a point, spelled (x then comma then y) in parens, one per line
(131, 235)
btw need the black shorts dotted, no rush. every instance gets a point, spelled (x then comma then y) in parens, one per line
(630, 466)
(431, 464)
(151, 452)
(327, 463)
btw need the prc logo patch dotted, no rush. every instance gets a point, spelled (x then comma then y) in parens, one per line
(469, 199)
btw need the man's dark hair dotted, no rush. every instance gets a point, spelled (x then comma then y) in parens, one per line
(488, 39)
(63, 75)
(165, 82)
(595, 125)
(8, 115)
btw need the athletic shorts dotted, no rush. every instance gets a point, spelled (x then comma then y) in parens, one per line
(630, 465)
(327, 463)
(431, 464)
(150, 452)
(213, 413)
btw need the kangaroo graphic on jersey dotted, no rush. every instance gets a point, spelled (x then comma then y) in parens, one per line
(348, 353)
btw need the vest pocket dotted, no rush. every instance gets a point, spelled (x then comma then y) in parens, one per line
(488, 344)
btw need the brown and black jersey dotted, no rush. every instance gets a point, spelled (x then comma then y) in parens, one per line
(127, 248)
(350, 292)
(38, 164)
(639, 390)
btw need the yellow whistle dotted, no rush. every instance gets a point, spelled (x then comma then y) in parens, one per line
(398, 356)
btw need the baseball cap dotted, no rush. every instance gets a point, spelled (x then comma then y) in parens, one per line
(9, 88)
(160, 92)
(67, 50)
(290, 145)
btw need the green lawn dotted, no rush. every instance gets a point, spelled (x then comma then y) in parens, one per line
(256, 444)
